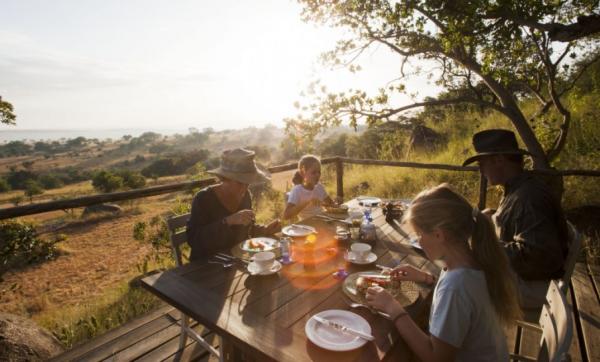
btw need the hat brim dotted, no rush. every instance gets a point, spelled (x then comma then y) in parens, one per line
(483, 154)
(248, 178)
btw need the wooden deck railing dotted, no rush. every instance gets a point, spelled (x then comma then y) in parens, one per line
(42, 207)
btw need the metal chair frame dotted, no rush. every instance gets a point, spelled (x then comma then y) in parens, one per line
(178, 237)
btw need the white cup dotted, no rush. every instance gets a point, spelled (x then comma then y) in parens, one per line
(264, 260)
(360, 250)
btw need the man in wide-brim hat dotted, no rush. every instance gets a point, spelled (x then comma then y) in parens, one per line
(222, 215)
(529, 220)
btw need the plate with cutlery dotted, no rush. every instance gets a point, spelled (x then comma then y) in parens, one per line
(298, 230)
(338, 330)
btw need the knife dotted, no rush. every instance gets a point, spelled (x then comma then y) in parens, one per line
(343, 328)
(307, 228)
(376, 276)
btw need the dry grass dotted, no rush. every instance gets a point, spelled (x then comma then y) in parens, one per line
(96, 262)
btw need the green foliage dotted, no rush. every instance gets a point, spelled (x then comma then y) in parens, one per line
(132, 179)
(20, 245)
(106, 181)
(4, 185)
(487, 55)
(33, 188)
(334, 145)
(50, 181)
(15, 148)
(7, 115)
(139, 231)
(175, 164)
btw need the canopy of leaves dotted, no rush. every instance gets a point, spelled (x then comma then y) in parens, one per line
(487, 53)
(7, 116)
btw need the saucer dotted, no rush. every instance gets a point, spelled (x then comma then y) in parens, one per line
(254, 270)
(368, 260)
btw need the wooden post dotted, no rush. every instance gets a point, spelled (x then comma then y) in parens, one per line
(339, 173)
(482, 192)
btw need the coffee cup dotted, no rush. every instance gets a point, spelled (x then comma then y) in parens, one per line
(360, 250)
(264, 260)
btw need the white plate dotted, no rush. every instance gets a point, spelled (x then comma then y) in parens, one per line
(368, 201)
(254, 270)
(332, 339)
(269, 244)
(298, 230)
(350, 256)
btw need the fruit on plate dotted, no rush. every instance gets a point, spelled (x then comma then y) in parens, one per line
(365, 282)
(253, 244)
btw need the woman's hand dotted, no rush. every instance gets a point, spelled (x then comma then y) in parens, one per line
(382, 300)
(409, 273)
(242, 217)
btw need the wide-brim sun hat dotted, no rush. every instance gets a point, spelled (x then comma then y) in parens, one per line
(494, 142)
(238, 164)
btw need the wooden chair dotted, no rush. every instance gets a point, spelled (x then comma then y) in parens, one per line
(178, 237)
(556, 326)
(575, 243)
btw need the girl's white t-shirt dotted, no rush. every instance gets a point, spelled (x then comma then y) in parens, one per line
(462, 315)
(299, 195)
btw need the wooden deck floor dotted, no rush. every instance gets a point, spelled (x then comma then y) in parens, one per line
(155, 336)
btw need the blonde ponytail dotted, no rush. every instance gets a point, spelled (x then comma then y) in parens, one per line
(501, 281)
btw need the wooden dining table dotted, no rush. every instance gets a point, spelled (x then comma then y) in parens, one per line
(264, 317)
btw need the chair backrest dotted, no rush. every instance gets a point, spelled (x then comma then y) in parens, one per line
(557, 325)
(176, 235)
(575, 243)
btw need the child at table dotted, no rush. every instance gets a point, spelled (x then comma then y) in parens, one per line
(475, 294)
(307, 195)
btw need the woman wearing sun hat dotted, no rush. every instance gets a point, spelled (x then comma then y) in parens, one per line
(222, 214)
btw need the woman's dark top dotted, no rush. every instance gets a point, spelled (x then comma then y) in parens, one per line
(206, 232)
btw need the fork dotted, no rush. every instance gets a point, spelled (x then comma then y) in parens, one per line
(353, 304)
(225, 265)
(372, 310)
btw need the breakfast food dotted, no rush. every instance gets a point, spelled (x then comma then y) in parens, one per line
(365, 282)
(342, 209)
(256, 245)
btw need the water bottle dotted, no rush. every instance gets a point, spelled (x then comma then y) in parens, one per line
(284, 244)
(367, 229)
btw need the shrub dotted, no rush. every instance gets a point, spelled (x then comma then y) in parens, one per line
(19, 244)
(106, 181)
(132, 179)
(50, 181)
(33, 188)
(4, 186)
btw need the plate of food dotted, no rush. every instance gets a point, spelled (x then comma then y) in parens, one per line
(255, 245)
(356, 285)
(333, 339)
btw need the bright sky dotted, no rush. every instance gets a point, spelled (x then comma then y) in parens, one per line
(166, 65)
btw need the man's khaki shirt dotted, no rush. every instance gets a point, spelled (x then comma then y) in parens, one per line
(531, 225)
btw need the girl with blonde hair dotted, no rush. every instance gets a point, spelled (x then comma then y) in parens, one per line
(308, 194)
(475, 294)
